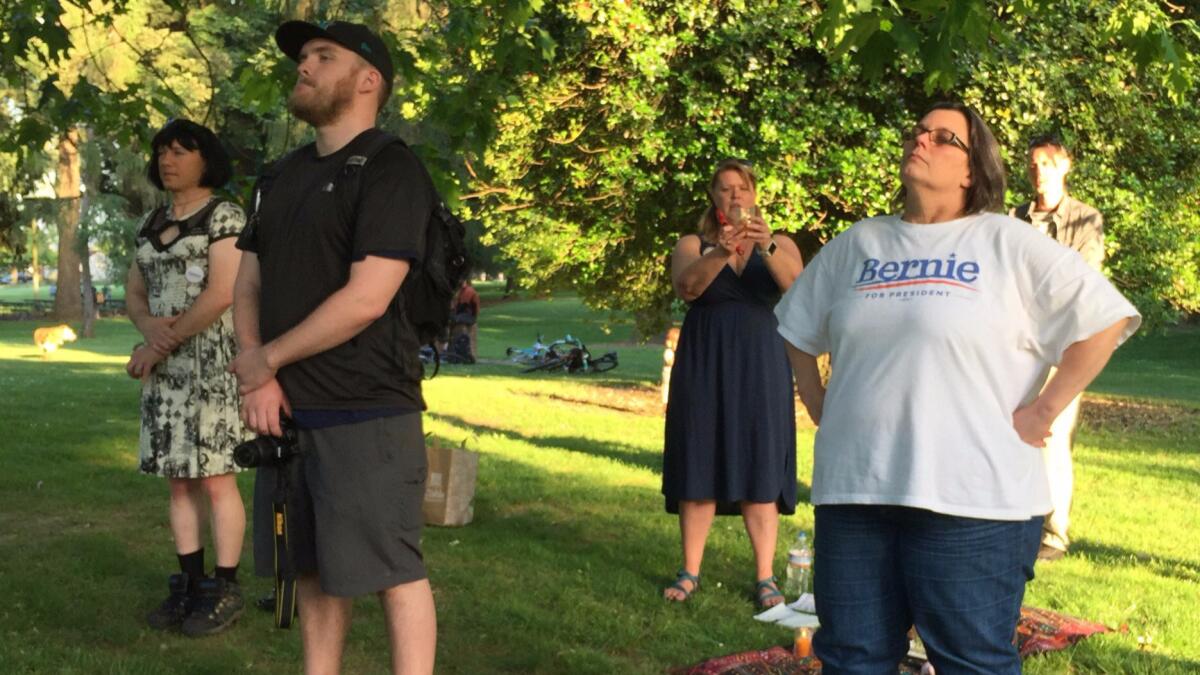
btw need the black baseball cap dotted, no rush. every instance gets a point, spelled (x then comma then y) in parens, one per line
(292, 36)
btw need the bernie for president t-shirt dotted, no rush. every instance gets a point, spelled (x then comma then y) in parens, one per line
(937, 334)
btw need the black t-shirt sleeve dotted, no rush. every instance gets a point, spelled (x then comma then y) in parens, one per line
(248, 239)
(396, 202)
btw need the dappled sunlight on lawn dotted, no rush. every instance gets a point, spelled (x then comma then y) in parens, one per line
(570, 547)
(68, 353)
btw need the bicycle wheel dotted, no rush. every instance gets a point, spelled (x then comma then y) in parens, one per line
(604, 363)
(549, 364)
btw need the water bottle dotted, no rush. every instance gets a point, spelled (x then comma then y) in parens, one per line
(799, 569)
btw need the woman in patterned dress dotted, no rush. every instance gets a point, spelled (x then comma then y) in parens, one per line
(178, 294)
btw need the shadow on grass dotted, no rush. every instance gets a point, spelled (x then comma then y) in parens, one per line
(618, 452)
(1186, 570)
(1177, 473)
(573, 570)
(1116, 656)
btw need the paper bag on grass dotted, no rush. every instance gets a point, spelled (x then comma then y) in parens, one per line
(450, 485)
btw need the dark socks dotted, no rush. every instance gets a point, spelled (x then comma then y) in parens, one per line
(227, 573)
(192, 564)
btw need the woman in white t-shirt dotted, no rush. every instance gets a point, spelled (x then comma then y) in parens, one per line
(941, 323)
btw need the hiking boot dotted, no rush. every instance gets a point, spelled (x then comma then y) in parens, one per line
(218, 604)
(173, 610)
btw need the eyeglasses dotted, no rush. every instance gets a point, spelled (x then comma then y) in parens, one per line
(938, 136)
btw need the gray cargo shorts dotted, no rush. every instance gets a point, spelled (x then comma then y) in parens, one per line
(354, 506)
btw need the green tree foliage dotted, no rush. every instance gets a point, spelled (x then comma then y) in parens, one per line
(123, 68)
(580, 134)
(110, 74)
(599, 154)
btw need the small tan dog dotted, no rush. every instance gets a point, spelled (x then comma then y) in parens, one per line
(50, 338)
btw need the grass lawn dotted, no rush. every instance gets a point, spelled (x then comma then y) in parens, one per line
(561, 571)
(25, 292)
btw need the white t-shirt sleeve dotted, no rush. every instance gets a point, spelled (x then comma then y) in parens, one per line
(1071, 301)
(803, 312)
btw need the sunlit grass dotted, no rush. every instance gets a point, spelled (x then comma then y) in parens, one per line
(562, 569)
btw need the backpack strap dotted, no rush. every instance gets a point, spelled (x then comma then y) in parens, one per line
(349, 188)
(264, 182)
(349, 180)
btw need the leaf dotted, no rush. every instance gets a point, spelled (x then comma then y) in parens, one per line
(546, 44)
(876, 54)
(862, 27)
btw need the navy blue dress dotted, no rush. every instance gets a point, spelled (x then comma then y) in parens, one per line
(731, 414)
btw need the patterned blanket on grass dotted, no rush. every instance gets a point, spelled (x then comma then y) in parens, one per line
(1039, 630)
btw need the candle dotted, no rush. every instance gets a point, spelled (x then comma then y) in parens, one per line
(802, 646)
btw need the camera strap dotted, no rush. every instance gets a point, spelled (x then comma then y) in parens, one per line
(285, 566)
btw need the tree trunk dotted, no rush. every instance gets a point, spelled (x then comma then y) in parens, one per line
(89, 302)
(89, 291)
(304, 10)
(37, 267)
(89, 176)
(68, 305)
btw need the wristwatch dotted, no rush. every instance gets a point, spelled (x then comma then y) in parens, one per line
(770, 250)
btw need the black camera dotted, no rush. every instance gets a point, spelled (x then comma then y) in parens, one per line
(267, 450)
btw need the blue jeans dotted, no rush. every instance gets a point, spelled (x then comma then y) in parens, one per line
(881, 569)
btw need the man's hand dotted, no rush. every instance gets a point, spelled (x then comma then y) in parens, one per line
(261, 407)
(160, 333)
(142, 361)
(252, 369)
(1032, 425)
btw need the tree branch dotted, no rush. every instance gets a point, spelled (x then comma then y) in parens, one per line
(145, 59)
(212, 77)
(568, 141)
(515, 207)
(485, 192)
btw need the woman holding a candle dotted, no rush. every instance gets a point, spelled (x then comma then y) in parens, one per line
(730, 443)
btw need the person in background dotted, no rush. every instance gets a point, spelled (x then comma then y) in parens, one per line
(928, 482)
(1076, 225)
(465, 315)
(178, 294)
(730, 441)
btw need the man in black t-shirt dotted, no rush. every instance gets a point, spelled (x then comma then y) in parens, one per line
(323, 340)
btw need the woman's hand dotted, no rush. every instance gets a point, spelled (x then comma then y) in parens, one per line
(142, 362)
(730, 240)
(1032, 424)
(755, 230)
(160, 333)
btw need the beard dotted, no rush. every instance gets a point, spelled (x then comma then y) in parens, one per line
(320, 108)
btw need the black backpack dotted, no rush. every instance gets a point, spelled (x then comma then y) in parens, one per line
(430, 286)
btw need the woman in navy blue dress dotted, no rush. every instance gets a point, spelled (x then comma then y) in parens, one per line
(731, 429)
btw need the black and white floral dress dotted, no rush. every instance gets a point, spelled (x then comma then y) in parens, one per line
(190, 421)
